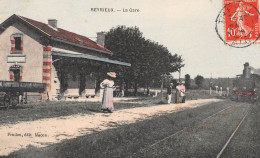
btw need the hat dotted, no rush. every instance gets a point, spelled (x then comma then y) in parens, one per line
(112, 74)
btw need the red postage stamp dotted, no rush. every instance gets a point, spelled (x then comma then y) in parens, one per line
(241, 21)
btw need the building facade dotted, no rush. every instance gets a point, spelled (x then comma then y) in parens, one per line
(69, 64)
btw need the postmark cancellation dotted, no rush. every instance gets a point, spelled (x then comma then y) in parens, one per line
(237, 24)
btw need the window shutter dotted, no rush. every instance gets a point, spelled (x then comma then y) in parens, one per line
(11, 73)
(22, 45)
(21, 75)
(12, 45)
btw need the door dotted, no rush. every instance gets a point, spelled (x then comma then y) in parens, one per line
(16, 71)
(16, 75)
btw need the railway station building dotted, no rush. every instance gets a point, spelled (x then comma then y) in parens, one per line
(68, 63)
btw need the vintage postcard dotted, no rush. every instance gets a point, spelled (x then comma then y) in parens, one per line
(129, 78)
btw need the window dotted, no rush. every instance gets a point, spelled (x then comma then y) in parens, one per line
(17, 43)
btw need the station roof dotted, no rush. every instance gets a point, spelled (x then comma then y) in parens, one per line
(90, 57)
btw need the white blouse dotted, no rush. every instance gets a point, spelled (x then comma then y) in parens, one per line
(107, 83)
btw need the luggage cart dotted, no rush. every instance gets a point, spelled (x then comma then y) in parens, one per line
(13, 93)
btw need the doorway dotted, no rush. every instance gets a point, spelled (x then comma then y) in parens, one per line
(16, 70)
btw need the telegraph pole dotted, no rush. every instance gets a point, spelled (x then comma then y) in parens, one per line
(210, 84)
(179, 74)
(162, 90)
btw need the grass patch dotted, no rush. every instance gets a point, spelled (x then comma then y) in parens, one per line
(40, 110)
(126, 139)
(199, 94)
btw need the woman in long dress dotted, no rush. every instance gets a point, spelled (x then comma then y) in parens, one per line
(108, 85)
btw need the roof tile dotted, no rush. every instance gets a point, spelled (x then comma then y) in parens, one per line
(65, 35)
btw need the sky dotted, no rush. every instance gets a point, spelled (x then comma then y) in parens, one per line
(185, 27)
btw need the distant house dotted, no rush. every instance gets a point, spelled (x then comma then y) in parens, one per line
(33, 51)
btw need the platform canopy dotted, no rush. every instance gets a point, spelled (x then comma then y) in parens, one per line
(89, 57)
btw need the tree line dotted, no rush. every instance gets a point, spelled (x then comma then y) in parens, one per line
(200, 82)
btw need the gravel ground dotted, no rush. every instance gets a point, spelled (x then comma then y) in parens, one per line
(48, 131)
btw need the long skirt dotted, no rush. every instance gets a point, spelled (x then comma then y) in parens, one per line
(169, 97)
(107, 100)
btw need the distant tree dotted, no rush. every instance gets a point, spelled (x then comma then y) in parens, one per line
(174, 81)
(126, 44)
(167, 79)
(199, 80)
(187, 81)
(150, 61)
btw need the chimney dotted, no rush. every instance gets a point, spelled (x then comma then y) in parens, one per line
(246, 71)
(52, 22)
(101, 38)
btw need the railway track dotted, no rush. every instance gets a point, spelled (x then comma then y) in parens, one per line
(202, 124)
(234, 132)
